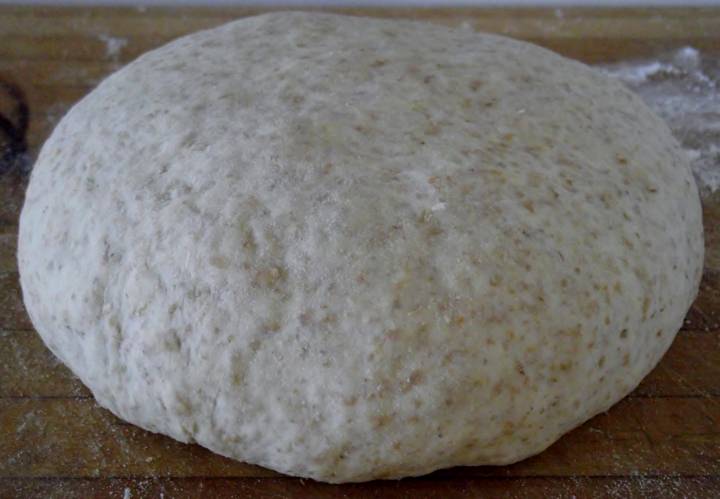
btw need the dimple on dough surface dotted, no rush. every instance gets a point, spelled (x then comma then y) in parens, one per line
(347, 249)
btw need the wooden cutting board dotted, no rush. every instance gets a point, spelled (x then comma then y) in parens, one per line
(663, 440)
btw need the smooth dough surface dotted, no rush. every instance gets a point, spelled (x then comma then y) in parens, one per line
(347, 248)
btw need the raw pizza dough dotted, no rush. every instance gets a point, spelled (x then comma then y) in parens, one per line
(347, 249)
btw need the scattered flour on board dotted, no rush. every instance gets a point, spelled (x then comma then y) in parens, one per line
(684, 88)
(113, 45)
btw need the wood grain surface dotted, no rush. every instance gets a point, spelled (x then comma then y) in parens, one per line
(663, 440)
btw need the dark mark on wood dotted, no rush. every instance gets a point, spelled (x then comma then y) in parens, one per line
(14, 121)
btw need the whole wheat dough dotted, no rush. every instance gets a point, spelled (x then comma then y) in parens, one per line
(346, 248)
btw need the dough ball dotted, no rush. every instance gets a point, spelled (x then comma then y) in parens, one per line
(348, 248)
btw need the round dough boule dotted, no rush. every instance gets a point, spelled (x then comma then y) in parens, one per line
(347, 249)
